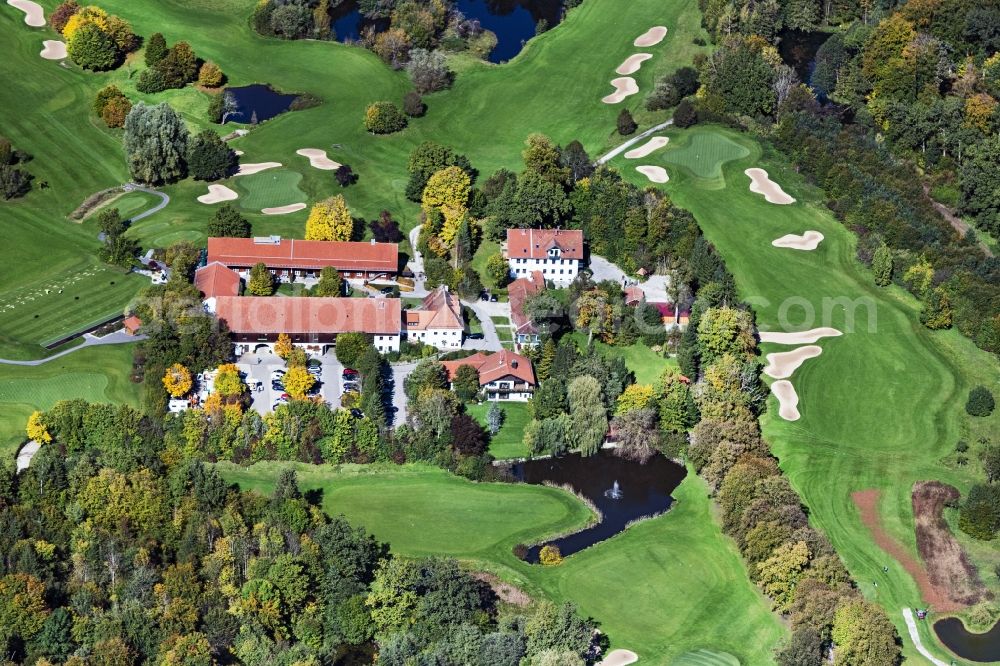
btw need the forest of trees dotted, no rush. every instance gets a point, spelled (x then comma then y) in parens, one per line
(900, 113)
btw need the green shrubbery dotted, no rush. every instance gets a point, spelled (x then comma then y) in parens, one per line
(980, 402)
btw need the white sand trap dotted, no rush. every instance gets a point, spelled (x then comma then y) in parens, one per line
(217, 194)
(781, 365)
(655, 143)
(633, 63)
(800, 338)
(624, 86)
(318, 159)
(656, 174)
(619, 658)
(651, 37)
(760, 183)
(256, 167)
(33, 13)
(284, 210)
(53, 50)
(807, 241)
(788, 399)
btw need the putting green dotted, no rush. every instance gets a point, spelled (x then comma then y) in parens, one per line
(269, 188)
(702, 152)
(706, 658)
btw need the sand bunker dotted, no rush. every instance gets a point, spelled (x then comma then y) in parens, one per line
(655, 143)
(656, 174)
(624, 86)
(54, 50)
(633, 63)
(238, 153)
(651, 37)
(760, 183)
(33, 13)
(781, 365)
(800, 338)
(257, 167)
(619, 657)
(807, 241)
(284, 210)
(318, 159)
(217, 194)
(788, 399)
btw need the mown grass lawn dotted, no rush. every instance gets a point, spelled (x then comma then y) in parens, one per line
(509, 441)
(646, 364)
(97, 374)
(662, 588)
(882, 407)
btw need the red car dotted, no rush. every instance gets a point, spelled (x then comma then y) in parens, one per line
(348, 372)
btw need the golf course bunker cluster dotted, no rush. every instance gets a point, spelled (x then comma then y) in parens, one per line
(781, 365)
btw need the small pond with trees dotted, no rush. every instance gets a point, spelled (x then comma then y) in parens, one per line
(645, 491)
(513, 22)
(966, 644)
(255, 103)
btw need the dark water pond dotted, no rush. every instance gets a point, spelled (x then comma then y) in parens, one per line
(513, 21)
(974, 647)
(645, 491)
(255, 103)
(798, 49)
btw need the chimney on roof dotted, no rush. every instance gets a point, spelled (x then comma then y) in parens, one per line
(513, 364)
(373, 241)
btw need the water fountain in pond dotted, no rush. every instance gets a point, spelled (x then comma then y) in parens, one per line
(614, 492)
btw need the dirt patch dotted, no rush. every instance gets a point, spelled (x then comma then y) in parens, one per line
(95, 200)
(867, 503)
(624, 86)
(507, 593)
(947, 564)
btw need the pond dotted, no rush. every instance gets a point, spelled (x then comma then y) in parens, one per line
(255, 104)
(968, 645)
(512, 21)
(645, 491)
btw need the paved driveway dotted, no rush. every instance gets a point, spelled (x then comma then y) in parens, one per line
(398, 373)
(655, 288)
(484, 310)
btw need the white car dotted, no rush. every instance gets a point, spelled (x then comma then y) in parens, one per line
(277, 375)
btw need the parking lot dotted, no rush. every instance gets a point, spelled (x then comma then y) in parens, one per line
(259, 368)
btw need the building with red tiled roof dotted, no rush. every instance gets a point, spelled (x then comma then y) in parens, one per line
(518, 292)
(132, 324)
(556, 253)
(503, 375)
(291, 259)
(670, 315)
(216, 280)
(633, 295)
(437, 322)
(313, 323)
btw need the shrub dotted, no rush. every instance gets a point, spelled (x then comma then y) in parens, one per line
(105, 95)
(61, 14)
(210, 75)
(664, 96)
(156, 49)
(413, 104)
(549, 555)
(384, 118)
(116, 111)
(626, 123)
(979, 516)
(980, 402)
(520, 551)
(14, 182)
(151, 81)
(290, 21)
(91, 48)
(685, 115)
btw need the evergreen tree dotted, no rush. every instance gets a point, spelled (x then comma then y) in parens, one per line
(209, 158)
(330, 283)
(156, 49)
(228, 222)
(882, 265)
(544, 367)
(261, 281)
(626, 123)
(494, 418)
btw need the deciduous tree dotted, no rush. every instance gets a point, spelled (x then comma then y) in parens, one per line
(298, 381)
(466, 383)
(228, 221)
(283, 345)
(261, 282)
(330, 220)
(209, 158)
(330, 283)
(177, 380)
(155, 143)
(36, 428)
(384, 118)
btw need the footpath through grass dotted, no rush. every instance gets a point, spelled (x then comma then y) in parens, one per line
(664, 587)
(882, 407)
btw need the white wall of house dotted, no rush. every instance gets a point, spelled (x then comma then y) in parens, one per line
(382, 343)
(439, 338)
(560, 271)
(511, 396)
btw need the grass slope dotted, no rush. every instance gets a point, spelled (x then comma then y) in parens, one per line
(882, 407)
(97, 374)
(509, 441)
(662, 588)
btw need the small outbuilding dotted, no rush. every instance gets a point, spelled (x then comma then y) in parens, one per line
(132, 324)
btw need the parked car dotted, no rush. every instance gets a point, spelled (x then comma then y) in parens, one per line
(474, 336)
(316, 372)
(277, 386)
(357, 413)
(484, 296)
(277, 374)
(493, 298)
(385, 291)
(350, 372)
(351, 386)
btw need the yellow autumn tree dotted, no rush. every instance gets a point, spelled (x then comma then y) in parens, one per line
(635, 396)
(87, 15)
(979, 110)
(36, 428)
(330, 220)
(298, 381)
(283, 346)
(448, 190)
(177, 380)
(228, 381)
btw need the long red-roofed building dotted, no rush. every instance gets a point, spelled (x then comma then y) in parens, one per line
(313, 323)
(216, 280)
(503, 375)
(291, 259)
